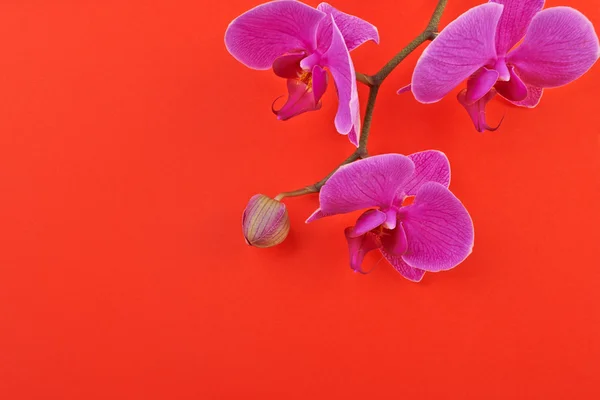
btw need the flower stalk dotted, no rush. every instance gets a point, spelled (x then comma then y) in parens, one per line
(374, 82)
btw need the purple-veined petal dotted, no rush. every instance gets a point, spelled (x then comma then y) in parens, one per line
(464, 46)
(337, 59)
(559, 47)
(355, 31)
(477, 110)
(534, 95)
(514, 89)
(480, 83)
(392, 248)
(372, 182)
(515, 20)
(288, 65)
(430, 166)
(260, 35)
(439, 230)
(410, 273)
(368, 221)
(302, 96)
(359, 247)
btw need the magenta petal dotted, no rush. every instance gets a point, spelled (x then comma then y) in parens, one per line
(359, 247)
(514, 89)
(430, 166)
(318, 214)
(559, 47)
(288, 65)
(354, 134)
(301, 98)
(319, 82)
(404, 89)
(392, 248)
(515, 20)
(438, 229)
(464, 46)
(337, 59)
(260, 35)
(372, 182)
(477, 110)
(368, 221)
(480, 84)
(534, 95)
(355, 31)
(410, 273)
(394, 242)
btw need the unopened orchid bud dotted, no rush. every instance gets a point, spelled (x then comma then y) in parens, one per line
(265, 222)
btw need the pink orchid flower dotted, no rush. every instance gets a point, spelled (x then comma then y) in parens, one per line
(559, 45)
(434, 233)
(301, 43)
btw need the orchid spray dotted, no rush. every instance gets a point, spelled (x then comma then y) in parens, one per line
(509, 47)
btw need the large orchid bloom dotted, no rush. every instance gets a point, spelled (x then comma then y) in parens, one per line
(434, 233)
(559, 45)
(301, 43)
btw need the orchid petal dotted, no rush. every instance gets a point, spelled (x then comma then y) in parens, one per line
(430, 166)
(372, 182)
(317, 214)
(410, 273)
(404, 89)
(368, 221)
(260, 35)
(359, 247)
(438, 228)
(394, 242)
(392, 247)
(559, 47)
(355, 31)
(288, 65)
(477, 110)
(514, 89)
(301, 98)
(534, 95)
(319, 82)
(464, 46)
(515, 20)
(337, 59)
(480, 84)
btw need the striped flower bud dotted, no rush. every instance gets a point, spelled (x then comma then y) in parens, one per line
(265, 222)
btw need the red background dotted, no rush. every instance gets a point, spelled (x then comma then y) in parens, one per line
(130, 141)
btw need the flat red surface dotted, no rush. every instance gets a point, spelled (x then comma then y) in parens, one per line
(130, 141)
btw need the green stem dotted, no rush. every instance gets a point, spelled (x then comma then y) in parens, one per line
(374, 82)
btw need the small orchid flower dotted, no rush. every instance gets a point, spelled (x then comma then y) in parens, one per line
(434, 233)
(559, 45)
(301, 43)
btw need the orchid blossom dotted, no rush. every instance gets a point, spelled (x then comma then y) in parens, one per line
(558, 45)
(434, 233)
(301, 43)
